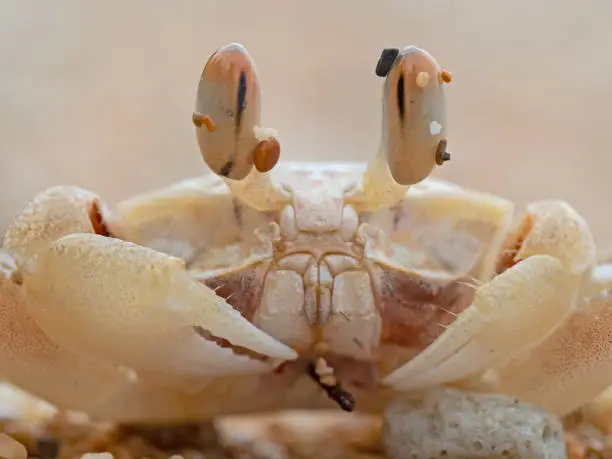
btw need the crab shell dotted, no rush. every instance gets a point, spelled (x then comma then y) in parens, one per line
(215, 295)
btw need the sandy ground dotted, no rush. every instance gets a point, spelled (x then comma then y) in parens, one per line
(100, 94)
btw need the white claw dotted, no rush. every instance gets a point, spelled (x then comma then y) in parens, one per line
(549, 254)
(128, 304)
(514, 311)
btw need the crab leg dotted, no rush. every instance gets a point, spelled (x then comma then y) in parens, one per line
(573, 365)
(27, 355)
(569, 368)
(413, 129)
(518, 308)
(227, 117)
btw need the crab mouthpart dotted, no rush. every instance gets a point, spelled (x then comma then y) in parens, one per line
(323, 375)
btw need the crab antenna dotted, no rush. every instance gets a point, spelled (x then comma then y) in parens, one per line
(413, 127)
(227, 116)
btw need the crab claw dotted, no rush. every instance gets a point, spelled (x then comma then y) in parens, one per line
(518, 308)
(53, 213)
(121, 303)
(131, 305)
(227, 119)
(414, 125)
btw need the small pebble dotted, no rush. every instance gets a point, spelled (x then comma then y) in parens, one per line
(11, 449)
(453, 424)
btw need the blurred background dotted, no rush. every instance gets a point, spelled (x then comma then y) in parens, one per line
(100, 94)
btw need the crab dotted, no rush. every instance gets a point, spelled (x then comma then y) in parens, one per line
(263, 285)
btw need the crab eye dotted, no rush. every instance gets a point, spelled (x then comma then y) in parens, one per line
(227, 112)
(386, 60)
(414, 111)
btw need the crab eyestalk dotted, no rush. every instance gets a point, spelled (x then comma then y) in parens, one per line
(227, 120)
(413, 128)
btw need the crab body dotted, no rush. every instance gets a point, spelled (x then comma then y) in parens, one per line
(232, 292)
(316, 274)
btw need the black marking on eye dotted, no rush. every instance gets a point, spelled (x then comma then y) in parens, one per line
(401, 97)
(227, 168)
(241, 98)
(385, 61)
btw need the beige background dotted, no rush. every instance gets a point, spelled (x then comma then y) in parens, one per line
(100, 94)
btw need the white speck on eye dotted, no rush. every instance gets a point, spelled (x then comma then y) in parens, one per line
(264, 133)
(422, 79)
(435, 128)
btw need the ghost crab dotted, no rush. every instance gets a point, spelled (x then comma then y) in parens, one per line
(230, 292)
